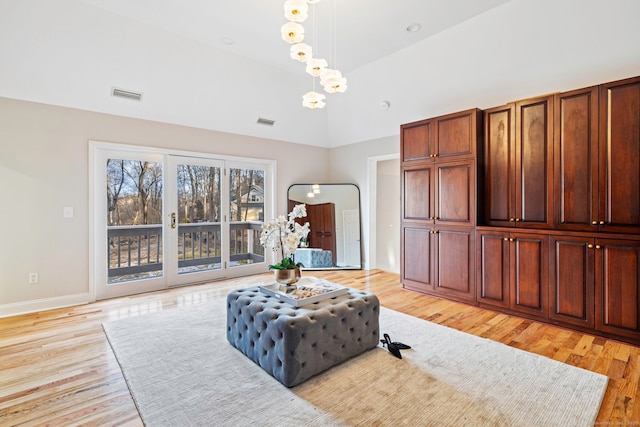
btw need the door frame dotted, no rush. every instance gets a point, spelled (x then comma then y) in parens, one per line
(97, 205)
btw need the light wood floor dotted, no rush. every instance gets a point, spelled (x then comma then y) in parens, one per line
(56, 367)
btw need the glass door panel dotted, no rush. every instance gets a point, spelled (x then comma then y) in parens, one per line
(199, 218)
(196, 220)
(246, 213)
(134, 220)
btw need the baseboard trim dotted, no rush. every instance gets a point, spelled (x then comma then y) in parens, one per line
(25, 307)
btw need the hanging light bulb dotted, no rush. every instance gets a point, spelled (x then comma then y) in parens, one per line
(292, 32)
(316, 66)
(335, 84)
(301, 52)
(313, 100)
(329, 73)
(296, 10)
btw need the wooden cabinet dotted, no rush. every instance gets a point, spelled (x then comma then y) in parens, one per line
(617, 296)
(540, 218)
(619, 157)
(576, 187)
(441, 138)
(440, 193)
(439, 260)
(513, 271)
(572, 280)
(518, 168)
(597, 158)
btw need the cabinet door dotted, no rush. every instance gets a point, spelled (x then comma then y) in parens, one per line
(417, 193)
(571, 292)
(529, 270)
(618, 285)
(456, 134)
(533, 162)
(499, 170)
(454, 256)
(620, 156)
(416, 271)
(416, 141)
(576, 160)
(492, 257)
(454, 195)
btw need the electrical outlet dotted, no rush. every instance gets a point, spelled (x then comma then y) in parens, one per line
(33, 278)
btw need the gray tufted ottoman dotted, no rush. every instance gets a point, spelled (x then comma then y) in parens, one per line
(295, 343)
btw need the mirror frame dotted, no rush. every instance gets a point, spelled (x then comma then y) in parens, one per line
(359, 205)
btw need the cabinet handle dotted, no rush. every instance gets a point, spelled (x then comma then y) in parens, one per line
(590, 246)
(512, 219)
(598, 246)
(601, 222)
(517, 219)
(506, 239)
(594, 222)
(511, 239)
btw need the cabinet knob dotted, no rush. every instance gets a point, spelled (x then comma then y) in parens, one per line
(598, 246)
(436, 218)
(594, 222)
(506, 239)
(432, 155)
(512, 219)
(601, 222)
(590, 246)
(517, 219)
(511, 239)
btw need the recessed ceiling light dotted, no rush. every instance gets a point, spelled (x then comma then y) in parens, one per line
(227, 40)
(413, 27)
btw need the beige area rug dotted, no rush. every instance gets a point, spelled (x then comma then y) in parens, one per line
(182, 372)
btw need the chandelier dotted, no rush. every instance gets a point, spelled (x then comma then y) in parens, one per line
(296, 12)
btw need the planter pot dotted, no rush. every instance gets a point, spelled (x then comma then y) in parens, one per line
(287, 277)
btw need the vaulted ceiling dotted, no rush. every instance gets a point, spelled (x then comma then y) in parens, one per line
(222, 65)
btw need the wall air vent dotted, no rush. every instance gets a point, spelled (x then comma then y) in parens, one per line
(266, 122)
(121, 93)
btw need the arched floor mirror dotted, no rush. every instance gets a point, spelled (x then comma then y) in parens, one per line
(333, 213)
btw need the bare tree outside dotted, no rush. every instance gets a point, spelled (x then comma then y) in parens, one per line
(134, 198)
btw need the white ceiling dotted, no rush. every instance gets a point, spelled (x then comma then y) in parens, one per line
(72, 52)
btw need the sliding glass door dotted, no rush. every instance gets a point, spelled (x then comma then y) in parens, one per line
(164, 220)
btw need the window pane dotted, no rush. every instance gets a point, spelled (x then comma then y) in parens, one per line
(199, 246)
(246, 210)
(134, 219)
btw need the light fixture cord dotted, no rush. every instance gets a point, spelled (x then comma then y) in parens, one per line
(335, 34)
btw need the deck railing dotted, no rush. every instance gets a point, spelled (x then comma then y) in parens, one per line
(134, 251)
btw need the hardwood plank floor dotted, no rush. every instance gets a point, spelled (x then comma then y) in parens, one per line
(56, 367)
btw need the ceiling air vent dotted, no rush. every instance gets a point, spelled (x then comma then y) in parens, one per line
(136, 96)
(266, 122)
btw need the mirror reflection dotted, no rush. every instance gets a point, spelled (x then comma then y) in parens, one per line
(333, 213)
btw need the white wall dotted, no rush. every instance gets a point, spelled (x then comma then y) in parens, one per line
(521, 49)
(350, 164)
(44, 167)
(388, 216)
